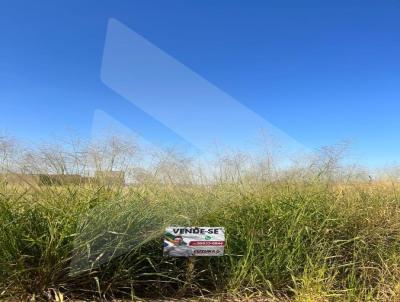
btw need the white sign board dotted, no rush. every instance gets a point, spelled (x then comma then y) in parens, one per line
(194, 241)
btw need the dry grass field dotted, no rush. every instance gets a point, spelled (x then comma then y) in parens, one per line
(298, 241)
(314, 233)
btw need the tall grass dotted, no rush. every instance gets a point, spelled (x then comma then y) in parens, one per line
(315, 231)
(314, 241)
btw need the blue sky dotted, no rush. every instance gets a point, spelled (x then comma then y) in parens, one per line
(321, 71)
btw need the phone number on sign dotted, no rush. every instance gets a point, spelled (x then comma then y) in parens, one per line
(207, 243)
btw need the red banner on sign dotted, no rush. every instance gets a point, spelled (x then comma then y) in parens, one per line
(207, 243)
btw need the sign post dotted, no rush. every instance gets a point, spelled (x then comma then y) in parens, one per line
(191, 242)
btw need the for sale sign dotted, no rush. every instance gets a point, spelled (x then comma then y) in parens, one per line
(194, 241)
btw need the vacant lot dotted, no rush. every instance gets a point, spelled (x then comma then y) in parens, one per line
(303, 241)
